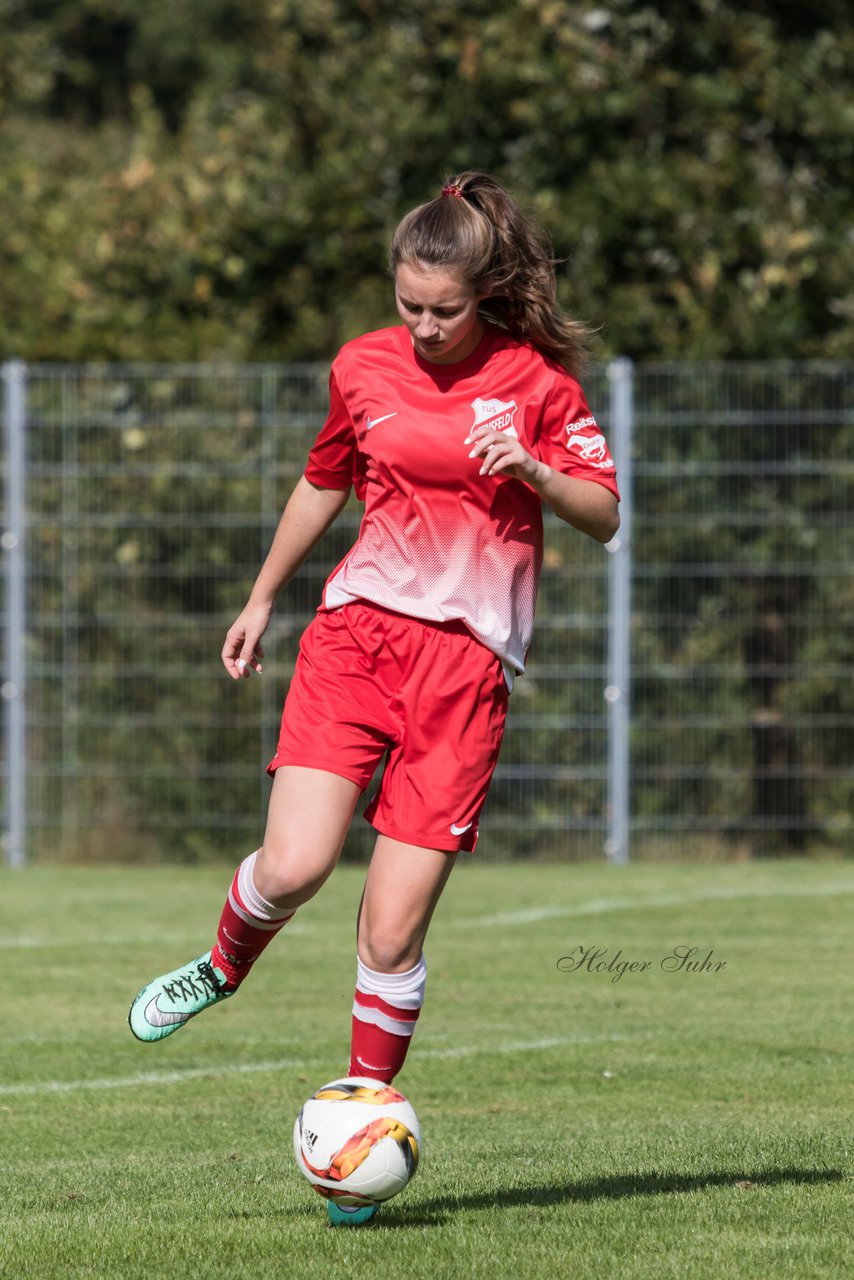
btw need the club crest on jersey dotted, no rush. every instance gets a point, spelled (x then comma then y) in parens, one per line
(498, 415)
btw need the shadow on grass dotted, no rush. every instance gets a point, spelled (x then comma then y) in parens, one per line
(436, 1211)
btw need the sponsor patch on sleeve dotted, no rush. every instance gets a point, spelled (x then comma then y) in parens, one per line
(584, 439)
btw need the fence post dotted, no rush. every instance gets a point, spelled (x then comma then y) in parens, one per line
(13, 544)
(618, 688)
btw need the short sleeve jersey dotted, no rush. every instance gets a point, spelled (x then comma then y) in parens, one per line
(438, 540)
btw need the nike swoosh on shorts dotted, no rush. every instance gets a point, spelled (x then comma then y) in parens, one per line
(459, 831)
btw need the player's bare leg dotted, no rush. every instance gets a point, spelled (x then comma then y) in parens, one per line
(403, 886)
(308, 817)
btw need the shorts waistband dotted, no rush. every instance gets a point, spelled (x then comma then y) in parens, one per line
(450, 626)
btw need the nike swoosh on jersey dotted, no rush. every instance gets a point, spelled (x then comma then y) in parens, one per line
(157, 1018)
(459, 831)
(375, 422)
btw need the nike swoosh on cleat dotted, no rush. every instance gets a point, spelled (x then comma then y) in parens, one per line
(157, 1018)
(459, 831)
(375, 422)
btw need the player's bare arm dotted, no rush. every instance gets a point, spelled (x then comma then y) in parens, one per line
(308, 514)
(584, 504)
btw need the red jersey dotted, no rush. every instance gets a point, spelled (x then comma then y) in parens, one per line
(439, 541)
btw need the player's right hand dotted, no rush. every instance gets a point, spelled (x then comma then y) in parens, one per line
(242, 651)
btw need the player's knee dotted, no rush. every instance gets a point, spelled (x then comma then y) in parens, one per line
(388, 950)
(286, 881)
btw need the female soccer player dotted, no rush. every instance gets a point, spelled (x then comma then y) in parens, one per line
(453, 428)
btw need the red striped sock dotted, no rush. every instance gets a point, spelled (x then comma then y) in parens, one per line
(248, 924)
(385, 1011)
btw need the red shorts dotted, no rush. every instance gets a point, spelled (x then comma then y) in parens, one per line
(368, 681)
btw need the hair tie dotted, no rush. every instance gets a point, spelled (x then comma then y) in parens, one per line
(452, 189)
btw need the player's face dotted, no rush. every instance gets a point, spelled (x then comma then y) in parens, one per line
(440, 311)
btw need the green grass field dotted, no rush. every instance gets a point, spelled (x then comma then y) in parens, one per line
(666, 1124)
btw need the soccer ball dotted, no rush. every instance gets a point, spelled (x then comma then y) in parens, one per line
(357, 1141)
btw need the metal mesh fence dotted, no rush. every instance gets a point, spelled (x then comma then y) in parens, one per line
(743, 603)
(152, 494)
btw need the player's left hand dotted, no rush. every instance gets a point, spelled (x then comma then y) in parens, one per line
(502, 454)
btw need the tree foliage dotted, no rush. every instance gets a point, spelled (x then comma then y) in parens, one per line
(220, 180)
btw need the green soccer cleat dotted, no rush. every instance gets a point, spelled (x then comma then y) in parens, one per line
(350, 1215)
(168, 1002)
